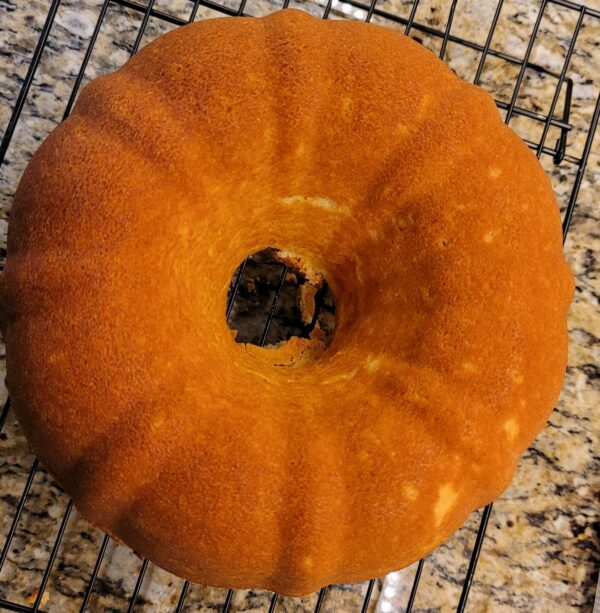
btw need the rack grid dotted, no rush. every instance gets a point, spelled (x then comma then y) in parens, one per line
(554, 119)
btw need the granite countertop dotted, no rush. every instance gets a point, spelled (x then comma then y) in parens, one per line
(542, 550)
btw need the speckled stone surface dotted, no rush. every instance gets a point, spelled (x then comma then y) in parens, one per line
(542, 550)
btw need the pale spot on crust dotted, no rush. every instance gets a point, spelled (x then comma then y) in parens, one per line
(183, 229)
(308, 562)
(371, 436)
(494, 172)
(345, 376)
(347, 105)
(158, 422)
(402, 129)
(326, 203)
(447, 497)
(372, 363)
(411, 492)
(511, 427)
(476, 468)
(469, 367)
(424, 105)
(182, 501)
(489, 236)
(56, 357)
(374, 234)
(516, 376)
(416, 398)
(323, 202)
(300, 150)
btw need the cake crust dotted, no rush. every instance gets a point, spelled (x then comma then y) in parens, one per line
(347, 146)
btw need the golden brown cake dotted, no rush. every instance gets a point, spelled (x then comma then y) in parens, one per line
(353, 149)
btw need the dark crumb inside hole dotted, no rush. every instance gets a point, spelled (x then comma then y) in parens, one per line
(270, 301)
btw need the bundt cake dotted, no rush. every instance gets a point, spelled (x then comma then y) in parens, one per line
(364, 159)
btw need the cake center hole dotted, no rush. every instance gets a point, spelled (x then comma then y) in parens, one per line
(271, 300)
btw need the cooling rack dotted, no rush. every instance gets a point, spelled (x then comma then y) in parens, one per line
(550, 132)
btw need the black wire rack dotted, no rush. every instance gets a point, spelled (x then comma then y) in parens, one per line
(553, 119)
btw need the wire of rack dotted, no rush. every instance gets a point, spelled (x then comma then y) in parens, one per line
(558, 152)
